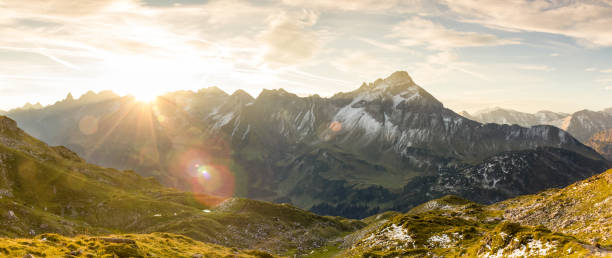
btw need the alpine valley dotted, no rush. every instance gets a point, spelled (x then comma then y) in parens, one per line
(54, 204)
(388, 145)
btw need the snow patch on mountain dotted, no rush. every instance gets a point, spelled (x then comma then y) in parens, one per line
(222, 120)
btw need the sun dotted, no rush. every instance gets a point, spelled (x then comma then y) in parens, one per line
(145, 96)
(146, 78)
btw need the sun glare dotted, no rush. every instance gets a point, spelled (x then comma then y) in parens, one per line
(145, 96)
(147, 78)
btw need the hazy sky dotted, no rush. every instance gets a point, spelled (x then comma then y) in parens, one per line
(524, 55)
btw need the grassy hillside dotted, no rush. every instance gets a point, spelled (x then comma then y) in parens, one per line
(575, 221)
(453, 227)
(128, 245)
(583, 209)
(47, 189)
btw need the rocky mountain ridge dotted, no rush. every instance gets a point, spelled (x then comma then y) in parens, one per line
(500, 115)
(354, 154)
(582, 124)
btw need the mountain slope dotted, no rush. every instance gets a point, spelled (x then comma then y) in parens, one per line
(582, 124)
(353, 154)
(140, 245)
(582, 209)
(602, 143)
(452, 227)
(569, 222)
(47, 189)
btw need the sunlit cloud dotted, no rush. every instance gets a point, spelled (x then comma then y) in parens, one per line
(606, 70)
(290, 39)
(586, 21)
(368, 65)
(532, 67)
(418, 31)
(49, 48)
(363, 5)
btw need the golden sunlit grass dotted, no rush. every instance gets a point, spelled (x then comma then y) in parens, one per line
(133, 245)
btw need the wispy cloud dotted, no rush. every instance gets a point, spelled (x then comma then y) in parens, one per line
(417, 31)
(350, 5)
(290, 39)
(59, 60)
(533, 67)
(606, 70)
(586, 21)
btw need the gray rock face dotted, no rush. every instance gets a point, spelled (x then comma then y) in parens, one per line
(584, 124)
(353, 154)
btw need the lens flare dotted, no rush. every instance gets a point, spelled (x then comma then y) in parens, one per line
(206, 173)
(203, 171)
(335, 126)
(88, 125)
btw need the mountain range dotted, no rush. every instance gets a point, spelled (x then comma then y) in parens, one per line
(53, 203)
(388, 145)
(581, 124)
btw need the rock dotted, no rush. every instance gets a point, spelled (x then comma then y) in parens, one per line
(118, 240)
(11, 215)
(197, 256)
(8, 125)
(28, 256)
(76, 252)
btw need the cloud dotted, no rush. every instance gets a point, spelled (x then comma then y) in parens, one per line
(604, 80)
(589, 22)
(58, 7)
(590, 69)
(351, 5)
(364, 65)
(290, 40)
(443, 57)
(417, 31)
(535, 67)
(606, 70)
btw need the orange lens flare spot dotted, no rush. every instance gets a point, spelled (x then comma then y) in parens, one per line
(335, 126)
(88, 125)
(205, 175)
